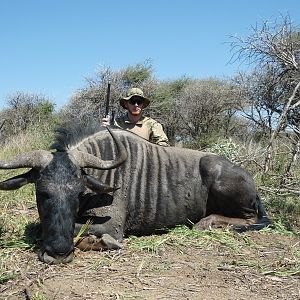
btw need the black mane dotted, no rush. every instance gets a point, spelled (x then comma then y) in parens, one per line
(66, 137)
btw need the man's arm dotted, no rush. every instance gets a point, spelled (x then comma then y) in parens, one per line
(157, 135)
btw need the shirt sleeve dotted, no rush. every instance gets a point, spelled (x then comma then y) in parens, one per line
(157, 134)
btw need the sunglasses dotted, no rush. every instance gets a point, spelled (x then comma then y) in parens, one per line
(136, 100)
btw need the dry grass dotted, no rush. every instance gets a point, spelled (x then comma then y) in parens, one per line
(266, 262)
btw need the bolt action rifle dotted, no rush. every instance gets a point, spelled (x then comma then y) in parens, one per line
(108, 112)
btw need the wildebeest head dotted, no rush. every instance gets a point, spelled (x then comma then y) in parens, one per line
(60, 182)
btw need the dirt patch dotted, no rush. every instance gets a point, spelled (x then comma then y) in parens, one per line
(264, 265)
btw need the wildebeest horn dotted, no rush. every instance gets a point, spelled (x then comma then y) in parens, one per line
(86, 160)
(33, 159)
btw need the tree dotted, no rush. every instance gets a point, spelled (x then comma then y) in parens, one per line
(272, 90)
(26, 110)
(204, 107)
(163, 105)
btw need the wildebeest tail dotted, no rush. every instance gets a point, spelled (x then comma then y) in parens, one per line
(262, 218)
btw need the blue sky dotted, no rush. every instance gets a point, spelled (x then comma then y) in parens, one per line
(49, 47)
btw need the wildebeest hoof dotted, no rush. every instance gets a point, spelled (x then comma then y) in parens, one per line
(88, 243)
(218, 221)
(110, 242)
(207, 223)
(92, 242)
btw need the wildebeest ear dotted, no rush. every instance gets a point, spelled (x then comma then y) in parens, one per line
(97, 186)
(18, 181)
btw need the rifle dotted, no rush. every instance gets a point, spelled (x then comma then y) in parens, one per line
(107, 100)
(109, 115)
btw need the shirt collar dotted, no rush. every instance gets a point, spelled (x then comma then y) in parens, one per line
(126, 120)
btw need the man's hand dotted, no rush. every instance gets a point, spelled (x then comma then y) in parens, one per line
(105, 121)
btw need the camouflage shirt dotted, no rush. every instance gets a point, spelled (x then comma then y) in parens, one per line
(147, 128)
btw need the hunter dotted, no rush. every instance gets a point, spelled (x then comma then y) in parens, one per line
(134, 121)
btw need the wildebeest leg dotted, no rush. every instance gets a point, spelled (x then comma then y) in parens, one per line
(92, 242)
(104, 233)
(107, 223)
(100, 236)
(218, 221)
(232, 192)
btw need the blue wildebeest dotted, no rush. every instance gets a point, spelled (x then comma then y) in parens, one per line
(126, 185)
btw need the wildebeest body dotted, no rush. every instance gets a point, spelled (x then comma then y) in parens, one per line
(152, 187)
(161, 187)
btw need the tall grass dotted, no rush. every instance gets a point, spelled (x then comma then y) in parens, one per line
(17, 208)
(34, 138)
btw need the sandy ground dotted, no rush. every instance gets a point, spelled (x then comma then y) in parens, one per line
(256, 265)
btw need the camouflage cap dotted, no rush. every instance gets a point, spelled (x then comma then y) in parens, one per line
(137, 93)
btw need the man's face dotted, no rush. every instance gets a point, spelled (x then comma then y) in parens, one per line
(135, 105)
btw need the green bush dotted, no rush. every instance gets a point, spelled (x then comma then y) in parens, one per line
(226, 148)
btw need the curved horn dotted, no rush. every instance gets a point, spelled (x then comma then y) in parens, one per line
(18, 181)
(86, 160)
(33, 159)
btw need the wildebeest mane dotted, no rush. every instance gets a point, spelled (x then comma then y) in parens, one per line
(72, 134)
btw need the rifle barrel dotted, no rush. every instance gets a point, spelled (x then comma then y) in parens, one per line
(107, 100)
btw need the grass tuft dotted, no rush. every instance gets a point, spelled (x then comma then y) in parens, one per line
(84, 228)
(4, 276)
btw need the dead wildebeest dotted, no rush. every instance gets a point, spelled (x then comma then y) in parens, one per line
(126, 185)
